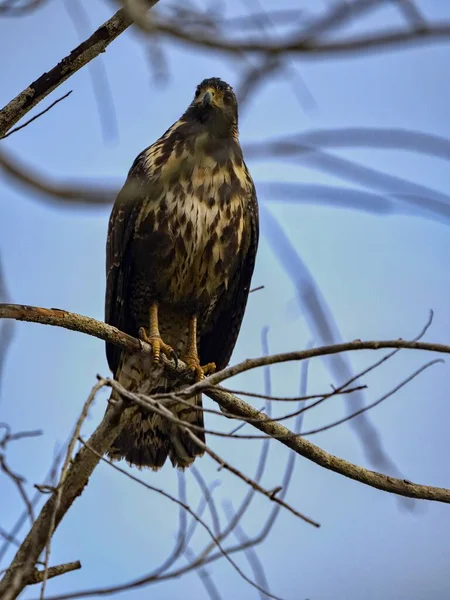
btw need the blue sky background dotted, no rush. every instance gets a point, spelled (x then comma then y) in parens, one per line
(379, 273)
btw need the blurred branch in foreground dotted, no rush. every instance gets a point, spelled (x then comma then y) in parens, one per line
(194, 28)
(13, 8)
(325, 329)
(393, 194)
(305, 40)
(98, 75)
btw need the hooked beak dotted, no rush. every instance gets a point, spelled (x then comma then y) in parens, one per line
(207, 98)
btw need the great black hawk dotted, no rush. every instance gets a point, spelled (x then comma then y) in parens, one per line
(181, 248)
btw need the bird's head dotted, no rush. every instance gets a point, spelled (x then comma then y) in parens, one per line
(215, 106)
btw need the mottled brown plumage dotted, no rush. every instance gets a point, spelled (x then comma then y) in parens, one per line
(182, 236)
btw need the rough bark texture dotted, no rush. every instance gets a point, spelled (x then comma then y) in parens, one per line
(234, 405)
(78, 58)
(22, 568)
(308, 450)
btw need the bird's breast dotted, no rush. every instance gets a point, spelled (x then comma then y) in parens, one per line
(207, 225)
(199, 213)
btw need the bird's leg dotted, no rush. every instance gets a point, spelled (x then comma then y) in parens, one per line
(191, 357)
(154, 338)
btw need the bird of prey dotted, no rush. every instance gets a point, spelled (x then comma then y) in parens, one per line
(181, 248)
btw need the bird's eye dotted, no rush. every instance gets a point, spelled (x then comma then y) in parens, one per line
(197, 93)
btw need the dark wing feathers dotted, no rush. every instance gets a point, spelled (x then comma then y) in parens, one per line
(217, 344)
(121, 226)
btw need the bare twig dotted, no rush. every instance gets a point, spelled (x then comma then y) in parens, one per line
(238, 408)
(394, 138)
(78, 473)
(64, 471)
(19, 435)
(342, 389)
(181, 538)
(150, 405)
(287, 477)
(18, 481)
(265, 23)
(62, 318)
(251, 482)
(312, 452)
(262, 461)
(39, 114)
(203, 503)
(412, 14)
(159, 573)
(34, 500)
(376, 402)
(78, 58)
(427, 199)
(50, 572)
(181, 503)
(335, 392)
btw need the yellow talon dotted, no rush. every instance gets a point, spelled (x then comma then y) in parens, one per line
(158, 346)
(199, 371)
(191, 357)
(154, 338)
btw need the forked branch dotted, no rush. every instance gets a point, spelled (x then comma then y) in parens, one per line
(235, 406)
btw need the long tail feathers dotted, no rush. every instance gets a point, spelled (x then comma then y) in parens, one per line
(149, 439)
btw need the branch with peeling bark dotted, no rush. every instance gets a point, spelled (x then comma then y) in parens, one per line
(78, 58)
(240, 409)
(76, 473)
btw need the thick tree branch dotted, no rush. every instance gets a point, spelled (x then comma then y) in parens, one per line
(78, 58)
(241, 409)
(73, 321)
(308, 450)
(98, 329)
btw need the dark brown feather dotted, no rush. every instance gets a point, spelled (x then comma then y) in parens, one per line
(218, 340)
(122, 223)
(183, 233)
